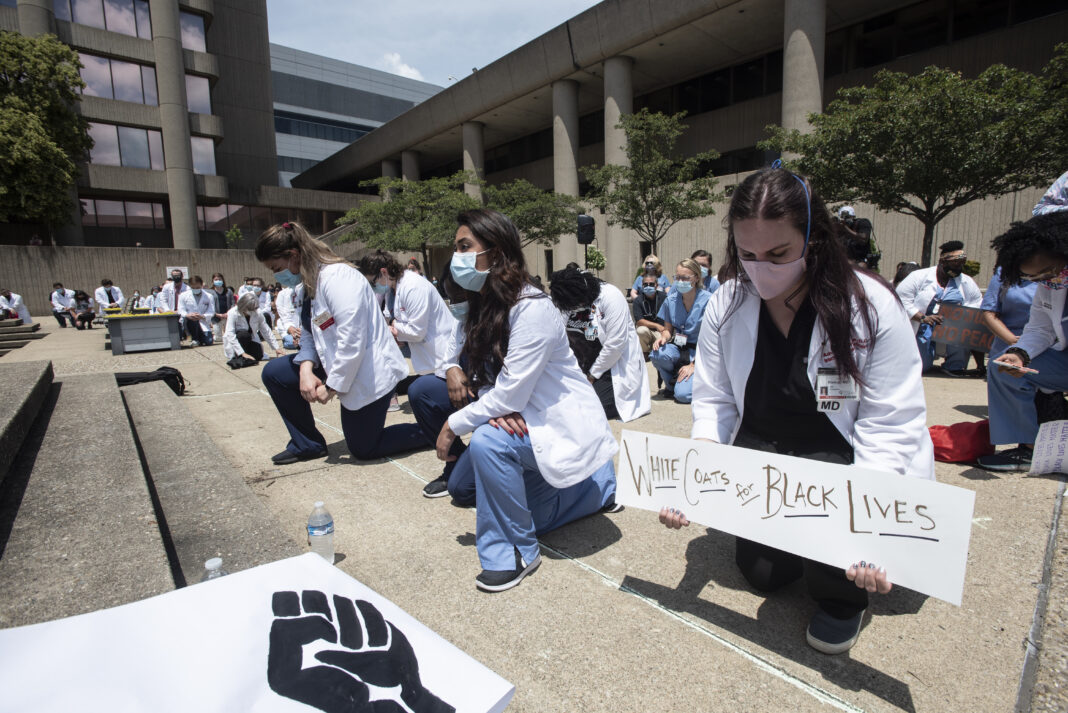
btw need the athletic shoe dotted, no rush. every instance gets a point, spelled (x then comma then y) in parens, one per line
(394, 404)
(955, 373)
(1014, 460)
(833, 636)
(287, 456)
(612, 507)
(495, 580)
(437, 488)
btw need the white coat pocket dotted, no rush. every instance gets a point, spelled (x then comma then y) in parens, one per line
(571, 439)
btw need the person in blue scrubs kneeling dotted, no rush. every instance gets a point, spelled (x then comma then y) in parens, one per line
(674, 351)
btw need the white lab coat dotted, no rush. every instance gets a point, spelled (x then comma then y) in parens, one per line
(17, 305)
(285, 304)
(919, 287)
(1045, 326)
(621, 353)
(165, 299)
(260, 332)
(887, 426)
(451, 356)
(62, 301)
(102, 301)
(542, 381)
(149, 301)
(204, 304)
(356, 350)
(423, 320)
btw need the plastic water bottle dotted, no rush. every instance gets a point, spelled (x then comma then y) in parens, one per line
(213, 569)
(321, 532)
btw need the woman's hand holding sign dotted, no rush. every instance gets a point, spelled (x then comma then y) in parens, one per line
(867, 576)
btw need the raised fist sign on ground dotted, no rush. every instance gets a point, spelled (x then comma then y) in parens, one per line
(364, 657)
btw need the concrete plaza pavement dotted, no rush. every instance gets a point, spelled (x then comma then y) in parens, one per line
(624, 615)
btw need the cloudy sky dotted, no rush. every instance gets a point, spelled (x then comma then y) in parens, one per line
(430, 40)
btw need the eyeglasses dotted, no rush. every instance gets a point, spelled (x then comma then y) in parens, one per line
(957, 258)
(1047, 274)
(683, 278)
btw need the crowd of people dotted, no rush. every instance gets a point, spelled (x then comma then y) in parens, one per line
(532, 375)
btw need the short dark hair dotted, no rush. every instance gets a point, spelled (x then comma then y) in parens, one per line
(106, 282)
(1042, 234)
(702, 253)
(371, 265)
(950, 246)
(56, 284)
(572, 288)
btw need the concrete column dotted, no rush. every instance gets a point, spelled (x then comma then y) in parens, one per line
(36, 17)
(474, 155)
(618, 100)
(174, 121)
(410, 165)
(804, 33)
(565, 161)
(391, 169)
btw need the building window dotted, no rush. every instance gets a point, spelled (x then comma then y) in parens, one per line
(203, 155)
(314, 128)
(193, 35)
(122, 214)
(8, 3)
(115, 79)
(128, 17)
(292, 164)
(198, 94)
(139, 215)
(126, 146)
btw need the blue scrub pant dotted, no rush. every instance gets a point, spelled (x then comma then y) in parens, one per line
(429, 398)
(667, 360)
(956, 356)
(366, 434)
(516, 504)
(1013, 418)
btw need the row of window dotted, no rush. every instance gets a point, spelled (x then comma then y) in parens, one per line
(253, 220)
(126, 81)
(98, 213)
(326, 129)
(128, 17)
(143, 148)
(292, 164)
(716, 90)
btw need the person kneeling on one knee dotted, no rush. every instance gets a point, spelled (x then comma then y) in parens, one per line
(674, 350)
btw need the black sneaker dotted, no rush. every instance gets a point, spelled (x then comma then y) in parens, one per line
(833, 636)
(287, 456)
(955, 373)
(437, 488)
(1014, 460)
(612, 507)
(495, 580)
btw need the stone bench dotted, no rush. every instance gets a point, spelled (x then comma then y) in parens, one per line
(23, 389)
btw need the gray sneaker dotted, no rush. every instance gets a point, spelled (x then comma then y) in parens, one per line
(1014, 460)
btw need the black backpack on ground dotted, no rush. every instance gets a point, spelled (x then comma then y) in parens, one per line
(168, 374)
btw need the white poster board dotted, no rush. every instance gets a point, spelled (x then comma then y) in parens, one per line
(294, 635)
(1051, 449)
(184, 270)
(917, 529)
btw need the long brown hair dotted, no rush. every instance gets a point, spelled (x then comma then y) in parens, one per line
(277, 240)
(487, 329)
(833, 285)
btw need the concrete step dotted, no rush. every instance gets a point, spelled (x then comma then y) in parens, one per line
(15, 344)
(4, 351)
(20, 336)
(23, 389)
(208, 509)
(78, 528)
(10, 322)
(20, 329)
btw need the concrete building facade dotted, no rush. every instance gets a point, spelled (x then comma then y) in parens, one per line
(179, 100)
(550, 107)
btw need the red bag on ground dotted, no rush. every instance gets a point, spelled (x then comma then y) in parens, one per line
(961, 442)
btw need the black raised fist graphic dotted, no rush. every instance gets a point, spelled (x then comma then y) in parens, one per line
(369, 652)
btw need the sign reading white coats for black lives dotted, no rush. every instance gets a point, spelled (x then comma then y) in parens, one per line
(917, 529)
(296, 635)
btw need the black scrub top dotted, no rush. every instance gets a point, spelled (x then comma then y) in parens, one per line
(780, 406)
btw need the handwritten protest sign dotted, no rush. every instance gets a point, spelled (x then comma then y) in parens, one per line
(963, 326)
(1051, 449)
(917, 529)
(295, 635)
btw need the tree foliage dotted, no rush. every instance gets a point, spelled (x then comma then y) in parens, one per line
(595, 259)
(41, 136)
(411, 215)
(927, 144)
(540, 216)
(659, 188)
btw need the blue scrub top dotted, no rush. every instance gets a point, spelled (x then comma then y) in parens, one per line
(711, 283)
(673, 312)
(1014, 307)
(662, 283)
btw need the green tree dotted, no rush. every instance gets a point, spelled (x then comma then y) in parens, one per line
(233, 236)
(594, 258)
(927, 144)
(41, 136)
(411, 215)
(659, 188)
(540, 216)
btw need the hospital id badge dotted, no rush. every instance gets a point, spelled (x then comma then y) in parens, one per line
(833, 385)
(679, 340)
(324, 320)
(591, 332)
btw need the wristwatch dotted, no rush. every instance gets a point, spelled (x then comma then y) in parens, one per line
(1024, 356)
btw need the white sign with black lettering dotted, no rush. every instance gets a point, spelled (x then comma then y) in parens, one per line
(294, 635)
(1051, 449)
(917, 529)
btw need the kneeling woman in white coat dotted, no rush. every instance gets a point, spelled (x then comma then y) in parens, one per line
(346, 350)
(603, 339)
(796, 319)
(246, 331)
(541, 449)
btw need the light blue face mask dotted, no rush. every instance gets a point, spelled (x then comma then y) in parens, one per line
(381, 289)
(704, 272)
(256, 289)
(218, 283)
(683, 287)
(287, 278)
(464, 271)
(196, 292)
(649, 290)
(460, 310)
